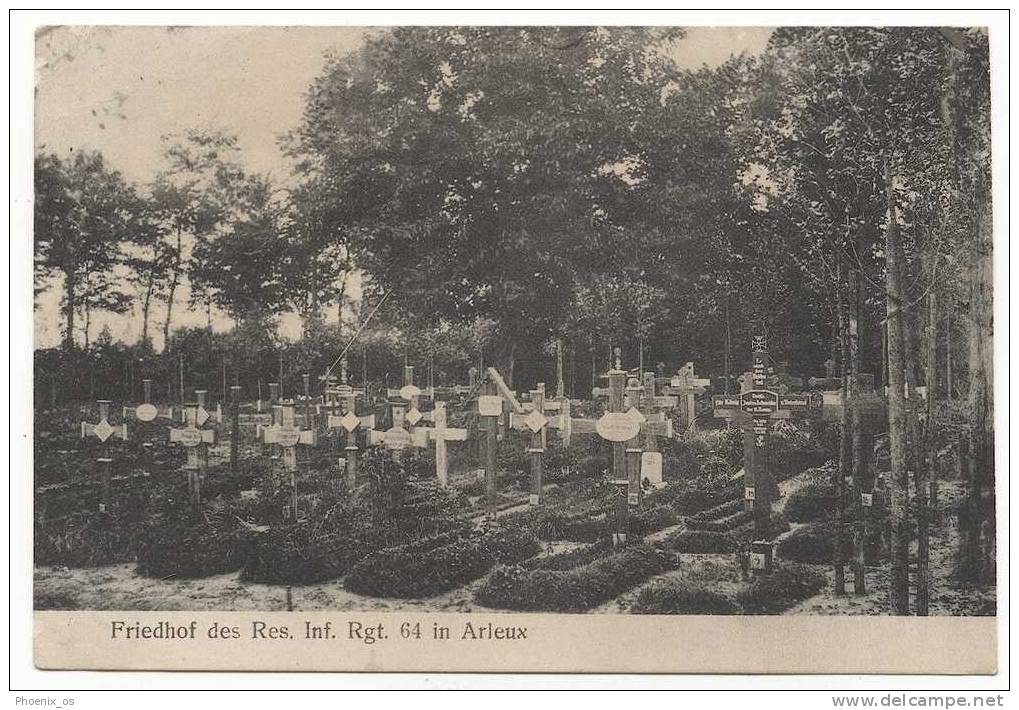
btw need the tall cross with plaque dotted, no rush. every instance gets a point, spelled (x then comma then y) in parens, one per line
(196, 441)
(753, 410)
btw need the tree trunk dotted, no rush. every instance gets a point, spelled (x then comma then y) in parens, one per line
(845, 459)
(860, 455)
(976, 562)
(898, 444)
(177, 260)
(69, 307)
(146, 309)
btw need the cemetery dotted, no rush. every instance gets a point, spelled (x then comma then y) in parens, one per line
(542, 364)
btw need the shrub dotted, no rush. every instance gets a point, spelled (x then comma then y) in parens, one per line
(812, 502)
(569, 560)
(720, 511)
(184, 549)
(427, 568)
(811, 545)
(681, 597)
(84, 539)
(694, 500)
(652, 519)
(702, 541)
(573, 590)
(776, 592)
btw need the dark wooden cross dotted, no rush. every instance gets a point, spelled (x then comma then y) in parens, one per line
(686, 387)
(534, 422)
(753, 410)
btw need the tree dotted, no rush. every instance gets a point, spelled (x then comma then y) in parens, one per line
(240, 269)
(483, 168)
(84, 216)
(191, 197)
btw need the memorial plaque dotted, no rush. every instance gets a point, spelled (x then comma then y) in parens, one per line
(145, 412)
(396, 438)
(409, 392)
(490, 405)
(651, 467)
(617, 426)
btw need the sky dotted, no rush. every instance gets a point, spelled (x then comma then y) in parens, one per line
(120, 89)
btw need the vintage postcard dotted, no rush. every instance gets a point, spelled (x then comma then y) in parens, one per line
(494, 348)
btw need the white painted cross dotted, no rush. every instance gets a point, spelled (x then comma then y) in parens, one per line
(195, 441)
(146, 411)
(103, 430)
(439, 434)
(287, 435)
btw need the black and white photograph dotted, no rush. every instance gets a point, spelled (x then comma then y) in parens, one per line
(492, 320)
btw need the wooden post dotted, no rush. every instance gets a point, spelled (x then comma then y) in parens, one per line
(490, 425)
(104, 478)
(537, 447)
(235, 427)
(617, 383)
(560, 389)
(631, 404)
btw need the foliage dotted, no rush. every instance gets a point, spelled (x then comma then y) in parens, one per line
(809, 544)
(676, 596)
(432, 566)
(574, 590)
(814, 501)
(783, 588)
(182, 549)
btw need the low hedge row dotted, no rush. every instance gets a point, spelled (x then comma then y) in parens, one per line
(425, 569)
(814, 501)
(569, 560)
(681, 597)
(780, 590)
(730, 522)
(720, 511)
(574, 590)
(811, 544)
(702, 542)
(183, 549)
(297, 554)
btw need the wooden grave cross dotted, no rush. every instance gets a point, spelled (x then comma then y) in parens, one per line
(534, 422)
(196, 441)
(687, 387)
(492, 402)
(753, 410)
(146, 411)
(287, 435)
(620, 428)
(439, 434)
(103, 430)
(344, 400)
